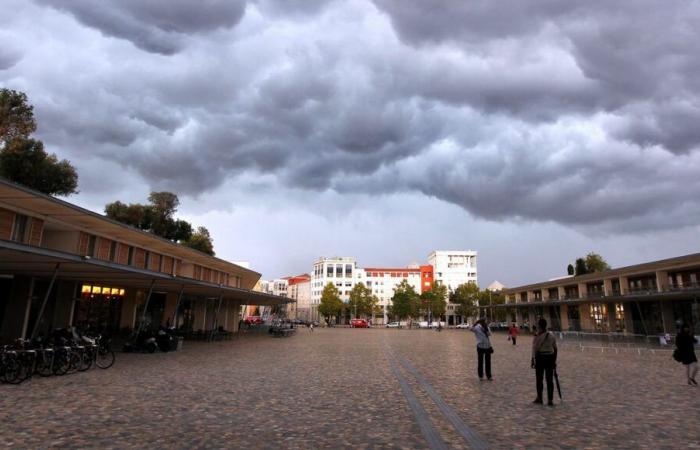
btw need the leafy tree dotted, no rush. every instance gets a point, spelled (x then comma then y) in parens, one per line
(570, 269)
(580, 267)
(163, 208)
(16, 116)
(201, 240)
(362, 303)
(331, 305)
(25, 162)
(435, 300)
(596, 263)
(405, 303)
(465, 297)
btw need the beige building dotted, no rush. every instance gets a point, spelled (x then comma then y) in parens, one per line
(62, 265)
(299, 290)
(648, 298)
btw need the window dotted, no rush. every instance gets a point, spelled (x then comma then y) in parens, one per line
(113, 251)
(92, 240)
(19, 233)
(329, 270)
(348, 270)
(130, 257)
(148, 260)
(348, 284)
(339, 270)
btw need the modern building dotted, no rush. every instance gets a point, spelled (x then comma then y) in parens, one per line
(451, 268)
(62, 265)
(647, 298)
(299, 290)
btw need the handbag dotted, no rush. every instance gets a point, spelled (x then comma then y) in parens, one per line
(509, 337)
(490, 350)
(677, 355)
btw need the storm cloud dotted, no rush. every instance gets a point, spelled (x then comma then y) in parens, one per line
(579, 113)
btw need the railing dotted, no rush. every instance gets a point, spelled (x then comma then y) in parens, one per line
(616, 340)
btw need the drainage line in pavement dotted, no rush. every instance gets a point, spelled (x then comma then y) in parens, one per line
(463, 429)
(429, 431)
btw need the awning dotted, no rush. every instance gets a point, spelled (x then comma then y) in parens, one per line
(20, 259)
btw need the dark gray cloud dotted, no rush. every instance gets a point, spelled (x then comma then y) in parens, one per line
(579, 113)
(152, 25)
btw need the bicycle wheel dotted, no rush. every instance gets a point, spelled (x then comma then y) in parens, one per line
(75, 359)
(44, 363)
(61, 362)
(12, 371)
(105, 358)
(85, 360)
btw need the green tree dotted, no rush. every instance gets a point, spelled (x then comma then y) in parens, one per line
(596, 263)
(16, 116)
(201, 240)
(25, 162)
(434, 301)
(570, 269)
(331, 305)
(465, 297)
(405, 303)
(580, 267)
(362, 303)
(163, 208)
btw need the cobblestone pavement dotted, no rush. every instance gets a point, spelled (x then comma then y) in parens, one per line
(340, 388)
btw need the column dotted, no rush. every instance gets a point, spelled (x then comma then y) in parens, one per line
(624, 285)
(607, 287)
(612, 320)
(561, 291)
(629, 320)
(661, 280)
(169, 310)
(519, 316)
(532, 319)
(545, 294)
(582, 290)
(233, 316)
(14, 323)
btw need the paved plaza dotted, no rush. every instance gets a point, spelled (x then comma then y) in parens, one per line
(342, 388)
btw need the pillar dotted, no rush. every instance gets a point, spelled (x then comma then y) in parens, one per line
(531, 318)
(169, 310)
(232, 316)
(582, 290)
(562, 292)
(519, 316)
(661, 280)
(200, 314)
(65, 304)
(629, 320)
(612, 320)
(624, 285)
(545, 294)
(16, 318)
(607, 287)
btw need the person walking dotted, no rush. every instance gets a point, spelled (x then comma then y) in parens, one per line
(685, 352)
(483, 348)
(311, 327)
(544, 361)
(513, 333)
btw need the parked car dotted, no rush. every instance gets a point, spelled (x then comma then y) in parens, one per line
(393, 325)
(359, 323)
(464, 326)
(253, 320)
(423, 324)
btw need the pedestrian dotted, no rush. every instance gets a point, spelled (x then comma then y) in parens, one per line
(544, 361)
(513, 333)
(311, 327)
(685, 353)
(483, 348)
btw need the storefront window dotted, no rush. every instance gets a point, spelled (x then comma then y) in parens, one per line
(99, 308)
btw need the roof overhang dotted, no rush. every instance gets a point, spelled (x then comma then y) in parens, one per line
(20, 259)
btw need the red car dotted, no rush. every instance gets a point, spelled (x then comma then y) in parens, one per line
(359, 323)
(253, 320)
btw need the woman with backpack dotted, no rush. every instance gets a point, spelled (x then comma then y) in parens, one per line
(544, 361)
(483, 348)
(685, 353)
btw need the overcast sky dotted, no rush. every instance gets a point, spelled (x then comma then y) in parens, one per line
(532, 132)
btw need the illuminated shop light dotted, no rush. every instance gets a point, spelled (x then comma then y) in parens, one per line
(87, 289)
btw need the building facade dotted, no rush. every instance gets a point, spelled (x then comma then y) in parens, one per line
(451, 268)
(299, 290)
(62, 265)
(649, 298)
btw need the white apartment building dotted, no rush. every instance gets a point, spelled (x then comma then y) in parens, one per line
(452, 268)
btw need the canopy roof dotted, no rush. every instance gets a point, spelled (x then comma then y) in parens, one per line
(58, 211)
(20, 259)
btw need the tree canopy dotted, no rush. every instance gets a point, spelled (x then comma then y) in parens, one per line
(466, 297)
(362, 302)
(434, 300)
(592, 263)
(405, 303)
(331, 305)
(24, 160)
(158, 218)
